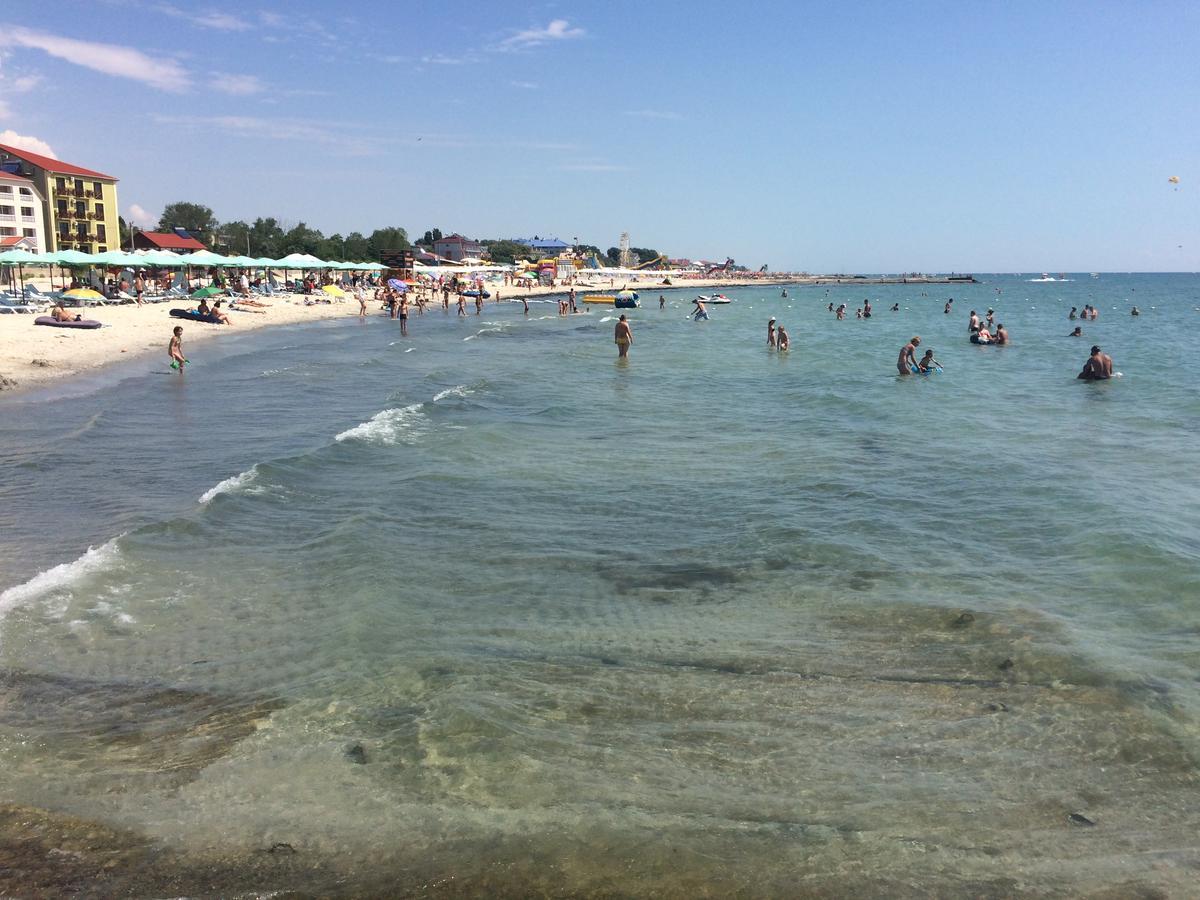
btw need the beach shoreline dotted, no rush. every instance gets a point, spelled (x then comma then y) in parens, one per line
(33, 356)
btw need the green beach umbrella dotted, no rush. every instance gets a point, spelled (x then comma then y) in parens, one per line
(207, 292)
(205, 258)
(163, 259)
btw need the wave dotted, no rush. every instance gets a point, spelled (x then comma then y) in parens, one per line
(459, 390)
(231, 484)
(58, 577)
(386, 427)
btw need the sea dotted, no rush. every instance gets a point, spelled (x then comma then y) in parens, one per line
(485, 611)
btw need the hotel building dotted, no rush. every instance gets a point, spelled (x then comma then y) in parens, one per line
(22, 212)
(80, 208)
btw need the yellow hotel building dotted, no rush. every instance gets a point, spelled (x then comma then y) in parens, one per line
(81, 205)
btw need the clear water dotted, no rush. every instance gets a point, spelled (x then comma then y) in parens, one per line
(483, 607)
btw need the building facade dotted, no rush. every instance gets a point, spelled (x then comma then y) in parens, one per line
(166, 240)
(457, 248)
(80, 208)
(22, 211)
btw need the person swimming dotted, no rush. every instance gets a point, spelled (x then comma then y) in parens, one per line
(928, 362)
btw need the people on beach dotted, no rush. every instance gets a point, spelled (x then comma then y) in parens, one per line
(907, 364)
(782, 338)
(219, 314)
(1099, 367)
(139, 286)
(361, 296)
(59, 314)
(771, 333)
(623, 337)
(175, 349)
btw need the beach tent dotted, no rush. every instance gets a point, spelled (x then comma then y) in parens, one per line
(301, 261)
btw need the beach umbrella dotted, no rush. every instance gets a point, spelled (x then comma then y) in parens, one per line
(244, 262)
(397, 284)
(20, 258)
(84, 294)
(205, 258)
(162, 259)
(333, 290)
(207, 292)
(74, 258)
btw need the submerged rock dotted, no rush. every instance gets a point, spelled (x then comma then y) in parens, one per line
(1080, 820)
(963, 620)
(356, 754)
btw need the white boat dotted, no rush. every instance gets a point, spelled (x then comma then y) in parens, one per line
(714, 298)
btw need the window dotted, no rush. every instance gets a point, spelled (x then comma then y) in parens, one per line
(29, 232)
(5, 188)
(80, 208)
(99, 210)
(27, 212)
(102, 249)
(62, 207)
(60, 184)
(64, 229)
(6, 231)
(79, 185)
(26, 192)
(100, 235)
(6, 210)
(80, 230)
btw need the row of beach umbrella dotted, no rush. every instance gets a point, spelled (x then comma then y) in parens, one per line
(165, 259)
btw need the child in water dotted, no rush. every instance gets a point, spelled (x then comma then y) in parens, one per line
(781, 338)
(175, 349)
(928, 362)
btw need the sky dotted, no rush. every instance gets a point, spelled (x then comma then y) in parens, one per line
(823, 137)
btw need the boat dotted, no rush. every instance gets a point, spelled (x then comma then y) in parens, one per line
(714, 299)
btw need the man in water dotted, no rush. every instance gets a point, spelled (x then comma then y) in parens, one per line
(771, 333)
(784, 341)
(973, 325)
(701, 312)
(623, 337)
(662, 302)
(1078, 332)
(1097, 368)
(907, 361)
(949, 303)
(1001, 334)
(1135, 312)
(895, 307)
(1071, 315)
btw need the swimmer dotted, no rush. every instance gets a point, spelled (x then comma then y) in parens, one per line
(896, 307)
(973, 325)
(983, 336)
(830, 305)
(1099, 367)
(175, 349)
(840, 312)
(906, 363)
(526, 304)
(1001, 334)
(1078, 332)
(991, 317)
(623, 337)
(928, 362)
(1135, 312)
(1071, 315)
(771, 333)
(784, 341)
(949, 303)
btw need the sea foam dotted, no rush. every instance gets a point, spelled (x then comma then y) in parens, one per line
(386, 427)
(61, 576)
(230, 485)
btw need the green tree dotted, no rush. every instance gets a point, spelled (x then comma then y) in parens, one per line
(507, 251)
(430, 237)
(266, 238)
(645, 255)
(614, 256)
(381, 239)
(233, 238)
(586, 250)
(333, 248)
(302, 239)
(357, 248)
(195, 217)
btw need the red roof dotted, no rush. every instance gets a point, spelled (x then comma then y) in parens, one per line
(11, 240)
(167, 240)
(52, 165)
(9, 176)
(455, 239)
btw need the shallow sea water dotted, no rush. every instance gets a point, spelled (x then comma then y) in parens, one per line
(484, 611)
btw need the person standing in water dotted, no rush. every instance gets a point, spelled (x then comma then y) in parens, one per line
(662, 302)
(623, 337)
(949, 303)
(1099, 367)
(784, 341)
(175, 349)
(771, 333)
(907, 362)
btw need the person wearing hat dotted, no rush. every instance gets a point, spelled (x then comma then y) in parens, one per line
(1099, 367)
(771, 332)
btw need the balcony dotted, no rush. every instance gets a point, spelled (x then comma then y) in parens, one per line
(63, 192)
(89, 195)
(6, 218)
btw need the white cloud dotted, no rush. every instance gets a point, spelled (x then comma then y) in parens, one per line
(558, 30)
(239, 85)
(111, 59)
(22, 84)
(278, 130)
(138, 216)
(209, 19)
(665, 115)
(441, 59)
(26, 142)
(526, 85)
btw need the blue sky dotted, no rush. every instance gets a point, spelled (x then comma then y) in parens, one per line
(872, 137)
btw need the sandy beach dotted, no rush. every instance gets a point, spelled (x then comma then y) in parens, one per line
(33, 355)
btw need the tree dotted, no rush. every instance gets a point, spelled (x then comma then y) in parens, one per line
(124, 232)
(302, 239)
(430, 237)
(645, 255)
(586, 250)
(381, 239)
(195, 217)
(614, 256)
(357, 248)
(233, 238)
(507, 251)
(266, 238)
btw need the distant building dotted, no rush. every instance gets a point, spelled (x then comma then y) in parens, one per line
(545, 246)
(457, 248)
(80, 209)
(22, 213)
(166, 240)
